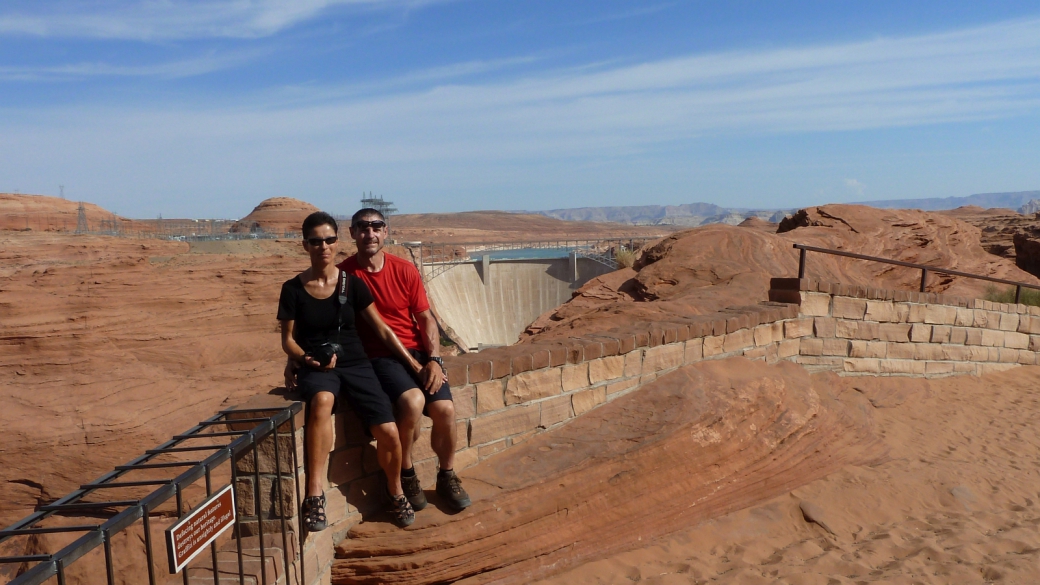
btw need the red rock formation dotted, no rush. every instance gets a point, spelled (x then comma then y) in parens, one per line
(51, 214)
(277, 215)
(703, 441)
(709, 268)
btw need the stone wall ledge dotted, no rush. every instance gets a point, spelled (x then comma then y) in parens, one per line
(501, 362)
(780, 289)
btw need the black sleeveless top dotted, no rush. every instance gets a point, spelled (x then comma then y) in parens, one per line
(316, 320)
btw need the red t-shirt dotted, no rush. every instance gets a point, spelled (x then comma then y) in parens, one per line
(399, 294)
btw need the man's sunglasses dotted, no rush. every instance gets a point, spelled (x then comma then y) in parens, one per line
(315, 242)
(364, 225)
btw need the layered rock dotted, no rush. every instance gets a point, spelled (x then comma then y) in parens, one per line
(695, 444)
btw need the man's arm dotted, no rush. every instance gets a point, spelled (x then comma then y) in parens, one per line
(432, 375)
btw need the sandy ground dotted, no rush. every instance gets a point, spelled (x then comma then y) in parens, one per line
(955, 503)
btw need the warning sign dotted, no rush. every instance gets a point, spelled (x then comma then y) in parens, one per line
(193, 533)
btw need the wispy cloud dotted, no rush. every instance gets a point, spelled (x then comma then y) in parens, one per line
(855, 186)
(982, 73)
(450, 125)
(153, 20)
(201, 65)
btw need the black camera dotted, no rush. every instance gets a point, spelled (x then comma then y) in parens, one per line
(324, 352)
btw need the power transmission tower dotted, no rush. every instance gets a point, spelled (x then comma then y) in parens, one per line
(81, 220)
(379, 204)
(61, 190)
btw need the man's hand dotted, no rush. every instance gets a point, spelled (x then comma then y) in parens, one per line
(433, 377)
(290, 375)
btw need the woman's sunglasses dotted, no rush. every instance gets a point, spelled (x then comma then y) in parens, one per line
(315, 242)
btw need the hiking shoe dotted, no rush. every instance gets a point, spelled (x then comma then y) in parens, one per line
(449, 488)
(314, 513)
(414, 492)
(400, 510)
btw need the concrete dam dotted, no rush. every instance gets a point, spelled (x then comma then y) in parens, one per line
(488, 301)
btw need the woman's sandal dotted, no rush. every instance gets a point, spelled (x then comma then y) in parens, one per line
(400, 510)
(314, 513)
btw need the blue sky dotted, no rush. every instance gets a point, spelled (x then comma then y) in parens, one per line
(204, 108)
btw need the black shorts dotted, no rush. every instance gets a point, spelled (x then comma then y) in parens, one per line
(395, 378)
(357, 384)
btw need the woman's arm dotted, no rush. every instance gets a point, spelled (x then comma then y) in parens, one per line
(295, 352)
(388, 338)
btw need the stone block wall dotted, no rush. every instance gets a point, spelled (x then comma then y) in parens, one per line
(865, 330)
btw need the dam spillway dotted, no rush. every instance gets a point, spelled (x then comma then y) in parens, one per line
(487, 301)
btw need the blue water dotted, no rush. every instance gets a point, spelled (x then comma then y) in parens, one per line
(528, 254)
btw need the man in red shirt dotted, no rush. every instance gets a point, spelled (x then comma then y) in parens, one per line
(401, 300)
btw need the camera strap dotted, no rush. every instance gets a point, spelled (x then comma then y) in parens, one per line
(342, 297)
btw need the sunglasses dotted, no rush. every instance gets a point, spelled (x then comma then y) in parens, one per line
(364, 225)
(315, 242)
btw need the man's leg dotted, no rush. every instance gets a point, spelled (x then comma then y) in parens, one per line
(443, 435)
(318, 440)
(409, 419)
(442, 439)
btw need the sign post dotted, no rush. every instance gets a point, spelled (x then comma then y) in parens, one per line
(193, 533)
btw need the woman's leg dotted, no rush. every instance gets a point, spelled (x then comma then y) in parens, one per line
(317, 440)
(388, 452)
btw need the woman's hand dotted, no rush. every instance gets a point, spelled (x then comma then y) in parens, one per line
(314, 364)
(290, 375)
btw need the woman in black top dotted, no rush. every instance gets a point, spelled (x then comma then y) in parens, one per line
(312, 314)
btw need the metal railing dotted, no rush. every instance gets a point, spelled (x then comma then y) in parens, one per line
(264, 424)
(923, 268)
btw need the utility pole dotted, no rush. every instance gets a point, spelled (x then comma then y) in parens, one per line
(81, 220)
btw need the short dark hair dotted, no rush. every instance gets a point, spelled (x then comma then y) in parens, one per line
(367, 211)
(316, 219)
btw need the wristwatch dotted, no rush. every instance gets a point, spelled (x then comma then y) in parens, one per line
(439, 361)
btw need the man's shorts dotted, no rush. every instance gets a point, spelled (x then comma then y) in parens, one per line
(396, 379)
(357, 384)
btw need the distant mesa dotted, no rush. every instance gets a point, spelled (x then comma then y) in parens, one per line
(758, 223)
(276, 215)
(698, 214)
(49, 214)
(1013, 200)
(686, 215)
(1030, 207)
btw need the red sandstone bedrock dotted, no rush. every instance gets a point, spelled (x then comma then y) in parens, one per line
(700, 442)
(709, 268)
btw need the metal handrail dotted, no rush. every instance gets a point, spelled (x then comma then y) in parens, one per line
(54, 565)
(922, 267)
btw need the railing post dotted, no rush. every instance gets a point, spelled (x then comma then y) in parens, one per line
(1018, 294)
(924, 278)
(801, 263)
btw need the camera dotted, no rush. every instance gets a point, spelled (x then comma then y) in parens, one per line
(324, 352)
